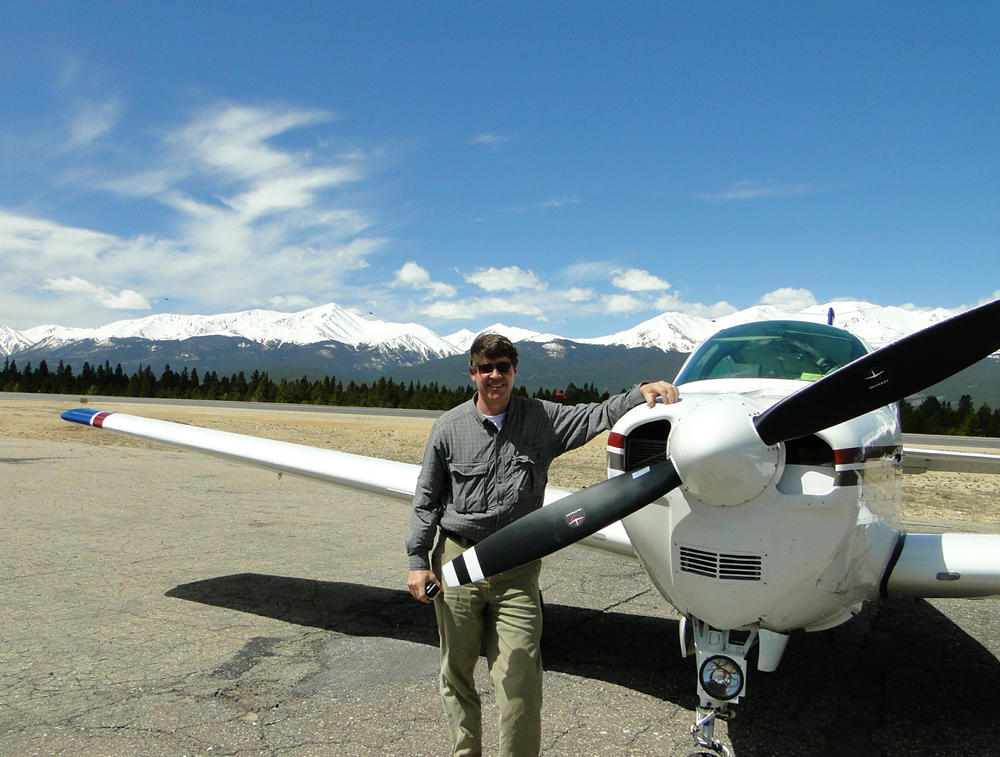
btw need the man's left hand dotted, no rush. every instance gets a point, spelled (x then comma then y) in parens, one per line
(666, 391)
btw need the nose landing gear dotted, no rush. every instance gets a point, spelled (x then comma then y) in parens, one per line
(703, 733)
(722, 671)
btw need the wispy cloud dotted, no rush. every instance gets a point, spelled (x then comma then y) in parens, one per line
(491, 140)
(748, 189)
(247, 215)
(124, 299)
(472, 308)
(92, 120)
(589, 270)
(290, 302)
(234, 139)
(71, 264)
(561, 202)
(672, 303)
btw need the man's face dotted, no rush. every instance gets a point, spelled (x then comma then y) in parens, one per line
(495, 385)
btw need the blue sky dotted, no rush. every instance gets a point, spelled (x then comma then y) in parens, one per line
(567, 167)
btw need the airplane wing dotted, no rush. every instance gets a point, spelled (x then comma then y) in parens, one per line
(945, 565)
(393, 479)
(386, 477)
(918, 460)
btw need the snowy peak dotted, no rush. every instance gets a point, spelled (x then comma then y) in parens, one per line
(462, 340)
(11, 340)
(325, 323)
(671, 332)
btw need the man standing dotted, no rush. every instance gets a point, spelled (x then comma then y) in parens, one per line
(486, 465)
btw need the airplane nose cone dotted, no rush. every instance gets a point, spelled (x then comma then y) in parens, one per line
(719, 456)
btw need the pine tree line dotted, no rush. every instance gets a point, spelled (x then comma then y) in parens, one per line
(259, 387)
(935, 417)
(931, 416)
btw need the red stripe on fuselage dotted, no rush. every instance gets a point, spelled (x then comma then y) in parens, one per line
(858, 455)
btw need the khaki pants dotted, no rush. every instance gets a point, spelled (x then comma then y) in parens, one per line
(505, 612)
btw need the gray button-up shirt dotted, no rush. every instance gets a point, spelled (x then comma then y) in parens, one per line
(476, 479)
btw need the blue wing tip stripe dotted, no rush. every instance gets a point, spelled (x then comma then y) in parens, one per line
(81, 415)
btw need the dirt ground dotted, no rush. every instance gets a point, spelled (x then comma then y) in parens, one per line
(931, 501)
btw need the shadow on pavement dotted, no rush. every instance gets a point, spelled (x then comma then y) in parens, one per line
(900, 679)
(587, 643)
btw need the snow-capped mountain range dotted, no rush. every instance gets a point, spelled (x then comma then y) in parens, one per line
(669, 331)
(268, 327)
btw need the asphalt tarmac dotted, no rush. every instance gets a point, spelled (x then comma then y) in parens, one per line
(158, 602)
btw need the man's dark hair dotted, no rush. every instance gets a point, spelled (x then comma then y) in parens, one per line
(492, 346)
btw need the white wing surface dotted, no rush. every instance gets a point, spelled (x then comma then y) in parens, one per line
(374, 474)
(393, 479)
(916, 460)
(946, 565)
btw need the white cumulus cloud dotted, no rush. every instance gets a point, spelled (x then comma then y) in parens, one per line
(789, 298)
(414, 276)
(507, 279)
(638, 280)
(621, 304)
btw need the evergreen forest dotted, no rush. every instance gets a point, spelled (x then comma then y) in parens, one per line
(931, 416)
(258, 387)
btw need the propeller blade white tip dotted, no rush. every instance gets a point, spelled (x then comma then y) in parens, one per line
(467, 565)
(472, 565)
(450, 577)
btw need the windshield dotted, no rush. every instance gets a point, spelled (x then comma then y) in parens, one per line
(773, 349)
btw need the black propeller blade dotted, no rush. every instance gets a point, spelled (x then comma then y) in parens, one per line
(886, 375)
(562, 523)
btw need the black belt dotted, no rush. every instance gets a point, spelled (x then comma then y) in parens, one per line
(464, 541)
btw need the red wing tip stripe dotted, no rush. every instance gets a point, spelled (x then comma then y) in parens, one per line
(86, 416)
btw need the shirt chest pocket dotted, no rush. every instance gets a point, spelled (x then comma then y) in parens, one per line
(468, 486)
(528, 478)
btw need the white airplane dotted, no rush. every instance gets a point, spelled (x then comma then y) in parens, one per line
(760, 504)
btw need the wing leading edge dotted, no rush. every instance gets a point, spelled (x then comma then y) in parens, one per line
(386, 477)
(919, 460)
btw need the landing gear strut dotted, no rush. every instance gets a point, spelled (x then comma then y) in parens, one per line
(703, 733)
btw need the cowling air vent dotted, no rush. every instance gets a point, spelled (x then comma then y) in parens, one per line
(721, 565)
(646, 444)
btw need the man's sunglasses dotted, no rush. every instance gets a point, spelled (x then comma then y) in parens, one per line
(503, 366)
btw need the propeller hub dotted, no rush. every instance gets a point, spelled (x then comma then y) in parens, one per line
(719, 456)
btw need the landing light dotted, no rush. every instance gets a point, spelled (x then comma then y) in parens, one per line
(721, 678)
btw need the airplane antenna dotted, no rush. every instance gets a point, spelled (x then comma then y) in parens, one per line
(829, 317)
